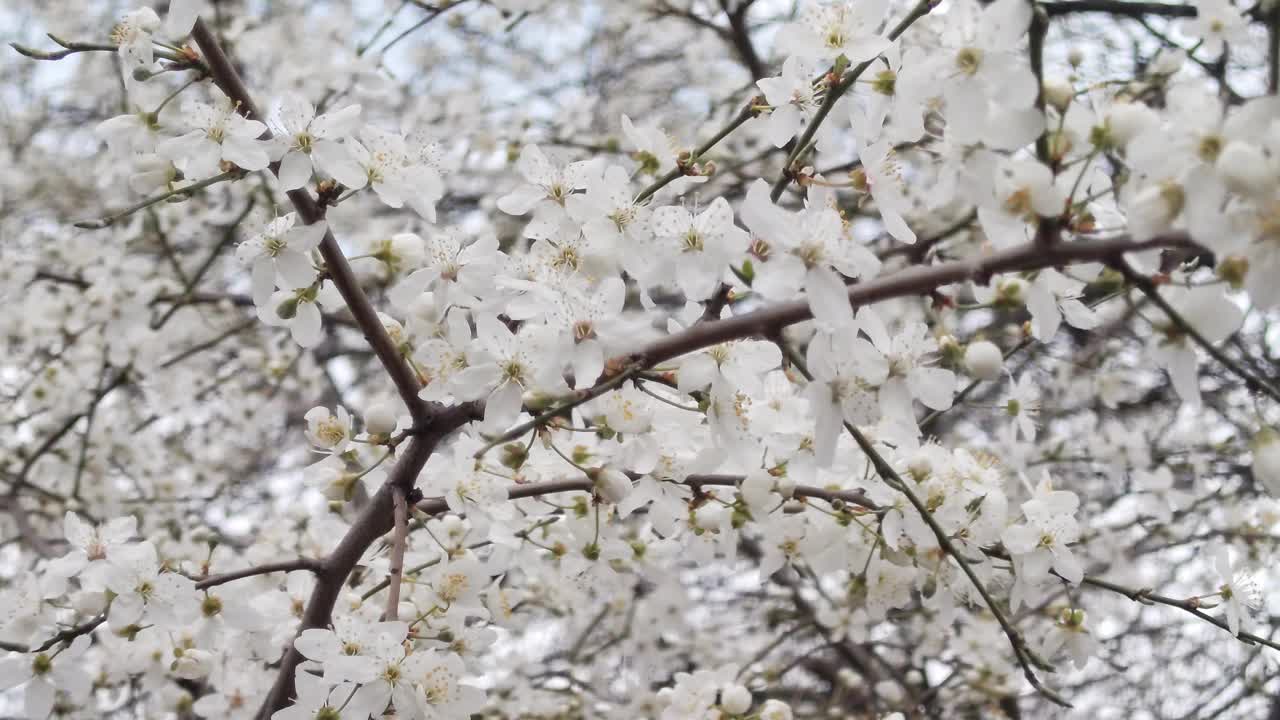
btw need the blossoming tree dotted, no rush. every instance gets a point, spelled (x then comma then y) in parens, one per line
(672, 359)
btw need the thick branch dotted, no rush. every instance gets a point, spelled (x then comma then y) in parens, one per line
(915, 280)
(1118, 7)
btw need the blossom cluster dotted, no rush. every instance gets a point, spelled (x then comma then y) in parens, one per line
(511, 461)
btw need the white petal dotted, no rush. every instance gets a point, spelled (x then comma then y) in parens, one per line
(336, 160)
(296, 269)
(182, 16)
(295, 170)
(306, 325)
(828, 298)
(245, 152)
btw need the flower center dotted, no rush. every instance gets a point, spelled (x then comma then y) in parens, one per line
(968, 60)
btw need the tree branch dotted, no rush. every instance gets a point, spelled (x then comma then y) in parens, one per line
(1118, 7)
(406, 381)
(283, 566)
(915, 280)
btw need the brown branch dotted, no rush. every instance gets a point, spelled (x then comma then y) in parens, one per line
(915, 280)
(1118, 7)
(435, 506)
(374, 521)
(406, 381)
(283, 566)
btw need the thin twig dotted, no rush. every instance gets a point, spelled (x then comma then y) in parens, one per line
(310, 564)
(400, 538)
(1148, 288)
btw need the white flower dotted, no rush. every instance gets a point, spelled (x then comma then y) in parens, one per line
(827, 31)
(1069, 632)
(328, 431)
(1216, 23)
(443, 696)
(305, 139)
(1239, 590)
(384, 161)
(1023, 406)
(847, 372)
(281, 247)
(1022, 192)
(694, 249)
(794, 99)
(133, 36)
(1041, 542)
(45, 675)
(882, 178)
(1208, 311)
(299, 310)
(218, 134)
(1053, 297)
(146, 593)
(315, 696)
(547, 184)
(504, 364)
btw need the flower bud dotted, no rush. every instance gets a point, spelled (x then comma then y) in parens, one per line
(708, 517)
(984, 360)
(513, 455)
(612, 486)
(1266, 460)
(1058, 94)
(380, 419)
(775, 710)
(785, 486)
(453, 526)
(735, 700)
(1075, 57)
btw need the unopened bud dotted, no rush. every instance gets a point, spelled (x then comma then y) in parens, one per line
(984, 360)
(380, 419)
(612, 486)
(1058, 95)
